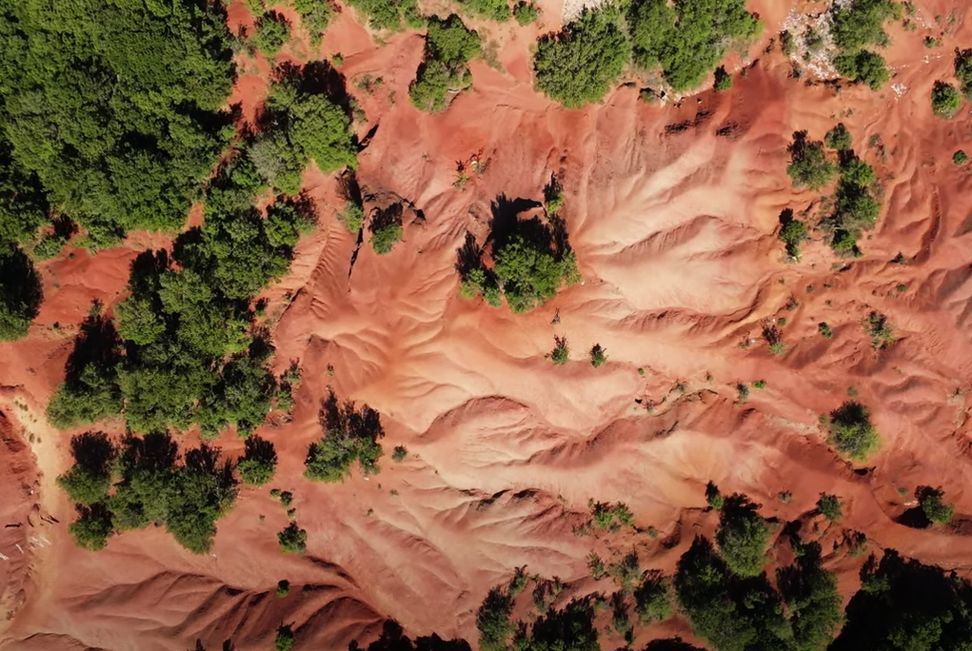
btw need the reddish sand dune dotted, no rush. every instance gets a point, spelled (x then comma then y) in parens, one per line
(672, 212)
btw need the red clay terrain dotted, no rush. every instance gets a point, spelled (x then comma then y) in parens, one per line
(672, 210)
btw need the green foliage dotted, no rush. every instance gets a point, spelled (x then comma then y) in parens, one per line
(116, 107)
(579, 64)
(285, 639)
(652, 598)
(839, 138)
(851, 431)
(713, 496)
(687, 39)
(21, 293)
(89, 479)
(314, 16)
(352, 217)
(525, 12)
(863, 67)
(389, 14)
(945, 100)
(933, 506)
(92, 528)
(449, 46)
(498, 10)
(153, 487)
(259, 462)
(742, 536)
(598, 355)
(283, 588)
(812, 599)
(825, 329)
(399, 453)
(596, 565)
(384, 236)
(829, 506)
(859, 23)
(879, 330)
(23, 204)
(793, 233)
(493, 621)
(272, 31)
(626, 572)
(349, 434)
(960, 157)
(293, 539)
(561, 352)
(904, 604)
(723, 80)
(731, 613)
(569, 629)
(809, 166)
(611, 517)
(963, 70)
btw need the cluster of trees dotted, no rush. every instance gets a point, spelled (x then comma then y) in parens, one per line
(272, 31)
(685, 40)
(570, 627)
(390, 14)
(115, 109)
(449, 46)
(855, 207)
(498, 10)
(856, 26)
(183, 351)
(532, 258)
(349, 434)
(141, 481)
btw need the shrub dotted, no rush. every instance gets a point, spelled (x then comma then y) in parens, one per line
(272, 31)
(525, 12)
(879, 330)
(723, 80)
(713, 497)
(960, 157)
(787, 43)
(258, 464)
(829, 506)
(611, 517)
(933, 506)
(21, 294)
(652, 600)
(314, 16)
(493, 621)
(626, 571)
(449, 46)
(285, 639)
(596, 565)
(579, 64)
(864, 67)
(386, 229)
(389, 14)
(963, 70)
(598, 355)
(561, 353)
(945, 99)
(742, 391)
(349, 434)
(809, 166)
(399, 453)
(92, 528)
(742, 536)
(283, 588)
(793, 233)
(293, 539)
(839, 138)
(529, 273)
(687, 40)
(352, 217)
(498, 10)
(851, 431)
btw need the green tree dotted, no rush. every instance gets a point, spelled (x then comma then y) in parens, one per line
(389, 14)
(92, 528)
(449, 46)
(742, 536)
(933, 506)
(350, 434)
(809, 166)
(272, 32)
(259, 462)
(829, 506)
(598, 355)
(525, 12)
(285, 639)
(579, 64)
(493, 621)
(839, 138)
(293, 539)
(851, 431)
(21, 294)
(652, 598)
(863, 67)
(89, 479)
(498, 10)
(946, 100)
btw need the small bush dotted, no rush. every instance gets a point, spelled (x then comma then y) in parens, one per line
(713, 497)
(285, 639)
(399, 453)
(933, 506)
(293, 539)
(561, 353)
(793, 233)
(742, 392)
(652, 598)
(352, 217)
(809, 166)
(389, 14)
(829, 506)
(272, 31)
(851, 431)
(596, 566)
(598, 355)
(879, 330)
(825, 330)
(349, 434)
(525, 12)
(960, 157)
(579, 64)
(283, 588)
(963, 70)
(945, 99)
(259, 462)
(611, 517)
(839, 138)
(723, 80)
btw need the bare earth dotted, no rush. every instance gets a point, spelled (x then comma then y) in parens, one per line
(672, 212)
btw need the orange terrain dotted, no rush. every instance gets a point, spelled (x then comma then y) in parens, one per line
(673, 214)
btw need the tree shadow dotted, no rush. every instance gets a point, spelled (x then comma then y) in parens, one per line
(393, 638)
(671, 644)
(156, 451)
(97, 345)
(468, 256)
(93, 451)
(387, 216)
(260, 449)
(21, 290)
(505, 223)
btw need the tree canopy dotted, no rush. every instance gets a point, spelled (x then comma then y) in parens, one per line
(449, 46)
